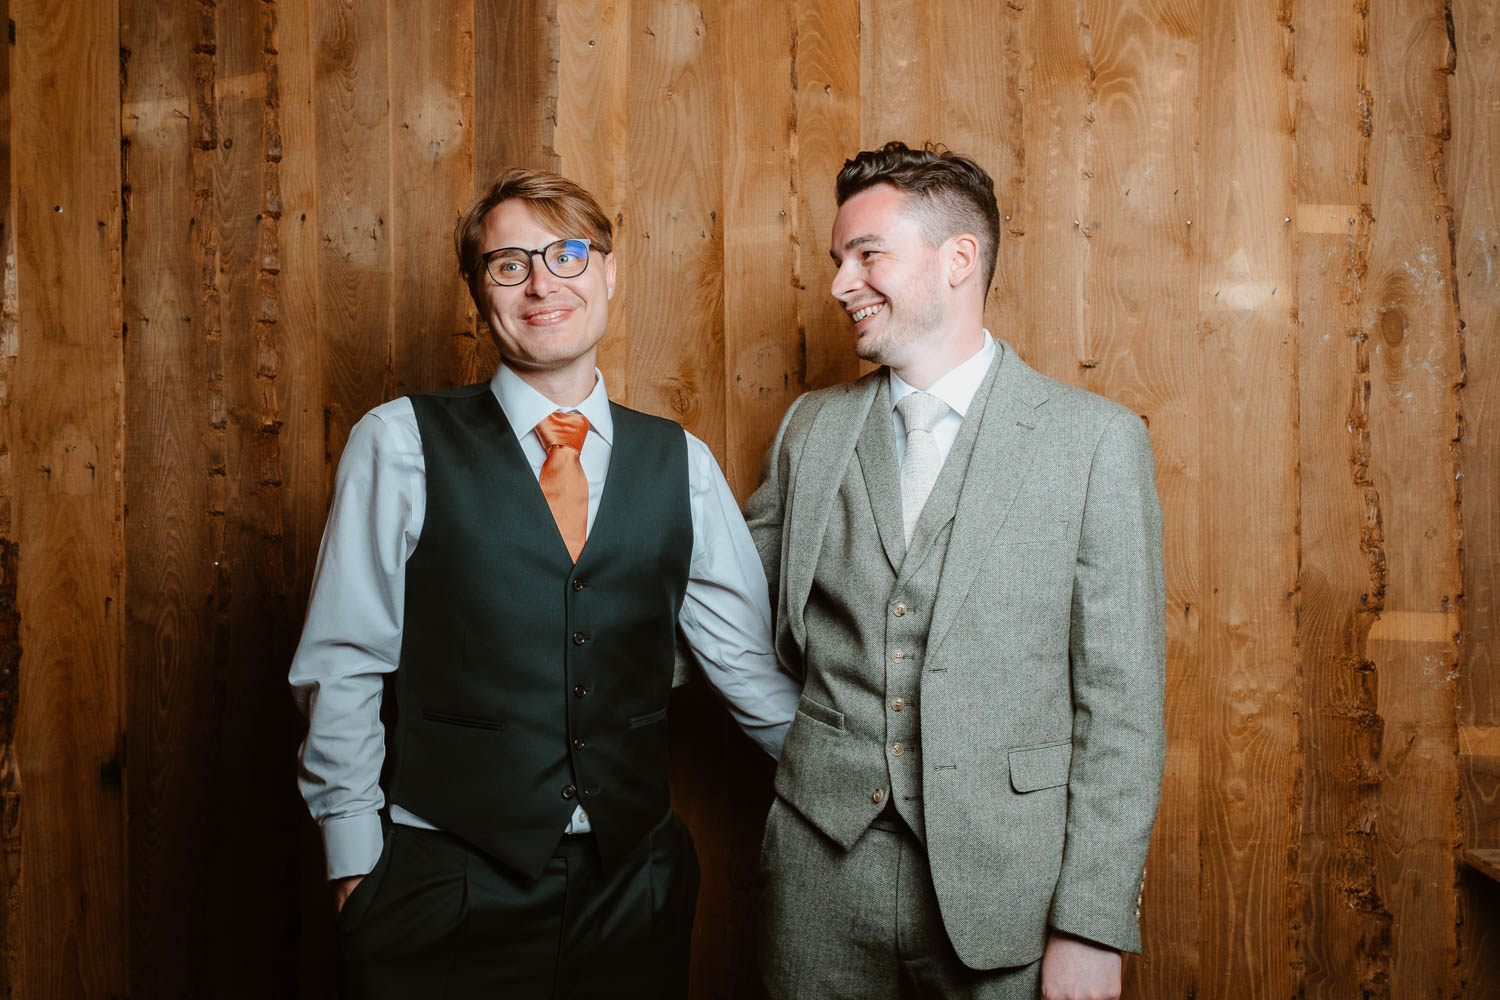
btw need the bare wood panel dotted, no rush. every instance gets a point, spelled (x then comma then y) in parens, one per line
(250, 710)
(12, 938)
(1140, 348)
(432, 163)
(1347, 926)
(1249, 800)
(898, 69)
(66, 465)
(168, 531)
(306, 464)
(672, 309)
(1046, 225)
(1415, 369)
(1473, 181)
(515, 86)
(826, 107)
(352, 84)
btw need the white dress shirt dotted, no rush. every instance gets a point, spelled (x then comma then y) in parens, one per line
(352, 636)
(956, 388)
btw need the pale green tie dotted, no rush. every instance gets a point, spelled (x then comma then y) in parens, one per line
(922, 462)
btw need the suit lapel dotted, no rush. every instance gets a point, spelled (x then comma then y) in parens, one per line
(1003, 453)
(876, 451)
(817, 471)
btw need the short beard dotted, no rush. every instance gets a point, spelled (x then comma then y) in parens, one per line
(888, 350)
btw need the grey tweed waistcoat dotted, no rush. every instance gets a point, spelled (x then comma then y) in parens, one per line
(868, 614)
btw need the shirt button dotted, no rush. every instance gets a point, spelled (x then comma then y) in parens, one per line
(897, 704)
(898, 609)
(898, 656)
(569, 791)
(897, 749)
(578, 585)
(578, 744)
(579, 690)
(877, 796)
(579, 638)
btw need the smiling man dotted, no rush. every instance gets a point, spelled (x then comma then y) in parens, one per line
(529, 615)
(966, 559)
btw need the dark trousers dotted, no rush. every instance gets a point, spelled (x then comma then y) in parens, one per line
(437, 918)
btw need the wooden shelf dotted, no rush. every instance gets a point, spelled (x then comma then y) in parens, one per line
(1485, 861)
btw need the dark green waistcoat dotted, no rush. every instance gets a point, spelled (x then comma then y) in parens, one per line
(529, 685)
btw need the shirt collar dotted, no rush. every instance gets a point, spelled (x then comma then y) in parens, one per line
(525, 407)
(956, 388)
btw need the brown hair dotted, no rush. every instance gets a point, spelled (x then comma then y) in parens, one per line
(557, 202)
(953, 193)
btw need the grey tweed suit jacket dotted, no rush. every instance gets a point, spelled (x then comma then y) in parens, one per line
(1047, 634)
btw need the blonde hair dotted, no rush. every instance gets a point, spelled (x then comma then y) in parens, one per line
(558, 203)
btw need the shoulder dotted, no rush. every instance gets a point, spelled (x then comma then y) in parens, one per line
(635, 421)
(1079, 414)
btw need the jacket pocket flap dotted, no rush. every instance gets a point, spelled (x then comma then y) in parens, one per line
(1045, 766)
(820, 713)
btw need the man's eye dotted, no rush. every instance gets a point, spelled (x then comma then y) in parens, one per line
(565, 258)
(510, 266)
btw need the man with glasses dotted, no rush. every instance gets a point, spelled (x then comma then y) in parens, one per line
(529, 615)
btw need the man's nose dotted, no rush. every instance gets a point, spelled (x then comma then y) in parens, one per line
(845, 282)
(541, 282)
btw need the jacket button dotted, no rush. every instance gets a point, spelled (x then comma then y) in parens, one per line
(578, 744)
(898, 609)
(877, 796)
(897, 704)
(897, 749)
(569, 791)
(578, 585)
(579, 690)
(579, 638)
(898, 656)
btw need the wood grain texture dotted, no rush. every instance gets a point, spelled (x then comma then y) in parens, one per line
(1251, 788)
(1346, 925)
(1139, 346)
(1415, 369)
(826, 112)
(169, 532)
(1473, 182)
(66, 463)
(11, 936)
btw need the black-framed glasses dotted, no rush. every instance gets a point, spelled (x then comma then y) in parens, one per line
(566, 258)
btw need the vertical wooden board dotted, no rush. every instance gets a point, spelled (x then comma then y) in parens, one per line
(248, 726)
(899, 67)
(668, 352)
(977, 112)
(826, 83)
(1473, 182)
(432, 159)
(67, 415)
(1346, 923)
(306, 463)
(761, 350)
(352, 83)
(515, 86)
(1140, 345)
(167, 534)
(1249, 799)
(12, 970)
(1047, 223)
(1415, 368)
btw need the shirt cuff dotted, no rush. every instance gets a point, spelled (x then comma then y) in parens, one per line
(352, 844)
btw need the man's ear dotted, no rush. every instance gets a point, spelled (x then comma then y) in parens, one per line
(961, 253)
(609, 273)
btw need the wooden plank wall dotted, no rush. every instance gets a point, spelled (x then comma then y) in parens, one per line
(1268, 226)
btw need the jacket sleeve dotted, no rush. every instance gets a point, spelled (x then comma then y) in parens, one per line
(765, 511)
(1117, 652)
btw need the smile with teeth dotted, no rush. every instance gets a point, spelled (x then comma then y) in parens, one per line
(863, 314)
(551, 315)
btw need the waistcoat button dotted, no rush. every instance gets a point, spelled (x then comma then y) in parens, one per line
(578, 744)
(578, 585)
(897, 749)
(898, 609)
(579, 690)
(897, 704)
(579, 638)
(569, 791)
(877, 796)
(898, 656)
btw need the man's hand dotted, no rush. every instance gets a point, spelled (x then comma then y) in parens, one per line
(1075, 969)
(342, 887)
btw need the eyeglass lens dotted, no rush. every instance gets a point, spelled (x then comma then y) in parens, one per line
(566, 258)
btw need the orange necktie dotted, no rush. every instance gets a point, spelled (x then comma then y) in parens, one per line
(563, 482)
